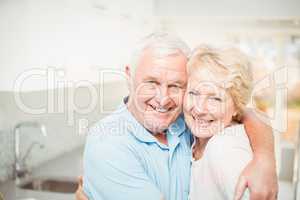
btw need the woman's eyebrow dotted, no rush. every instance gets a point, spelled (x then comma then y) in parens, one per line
(194, 90)
(211, 94)
(206, 94)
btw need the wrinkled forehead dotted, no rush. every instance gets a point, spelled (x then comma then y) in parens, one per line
(150, 61)
(207, 75)
(208, 88)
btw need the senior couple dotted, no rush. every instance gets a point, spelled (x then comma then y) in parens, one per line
(183, 132)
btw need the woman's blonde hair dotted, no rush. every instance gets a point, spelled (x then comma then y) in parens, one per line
(231, 62)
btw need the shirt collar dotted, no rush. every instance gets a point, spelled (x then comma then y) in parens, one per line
(138, 130)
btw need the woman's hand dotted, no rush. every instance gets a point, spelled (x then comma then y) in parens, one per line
(260, 174)
(79, 192)
(260, 177)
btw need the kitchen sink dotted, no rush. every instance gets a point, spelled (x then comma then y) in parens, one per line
(50, 185)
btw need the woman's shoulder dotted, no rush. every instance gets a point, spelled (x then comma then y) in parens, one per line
(232, 138)
(235, 130)
(231, 151)
(231, 133)
(226, 155)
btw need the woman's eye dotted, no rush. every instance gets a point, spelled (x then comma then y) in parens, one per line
(192, 93)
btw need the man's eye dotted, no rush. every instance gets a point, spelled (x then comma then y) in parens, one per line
(216, 99)
(174, 86)
(152, 82)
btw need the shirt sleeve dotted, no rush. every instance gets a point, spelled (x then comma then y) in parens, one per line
(229, 155)
(113, 171)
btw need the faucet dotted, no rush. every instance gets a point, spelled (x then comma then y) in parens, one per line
(20, 168)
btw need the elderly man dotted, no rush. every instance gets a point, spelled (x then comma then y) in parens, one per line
(142, 150)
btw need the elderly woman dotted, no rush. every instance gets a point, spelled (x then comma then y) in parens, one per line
(218, 90)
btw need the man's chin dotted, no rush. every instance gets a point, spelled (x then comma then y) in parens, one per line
(157, 129)
(158, 125)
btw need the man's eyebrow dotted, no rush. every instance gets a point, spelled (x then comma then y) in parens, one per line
(179, 83)
(151, 78)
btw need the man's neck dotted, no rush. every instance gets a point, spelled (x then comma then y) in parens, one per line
(162, 138)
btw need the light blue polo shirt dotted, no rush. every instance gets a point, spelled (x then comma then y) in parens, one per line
(123, 161)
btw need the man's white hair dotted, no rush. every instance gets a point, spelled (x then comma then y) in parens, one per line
(163, 44)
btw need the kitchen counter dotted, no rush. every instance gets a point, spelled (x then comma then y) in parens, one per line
(65, 167)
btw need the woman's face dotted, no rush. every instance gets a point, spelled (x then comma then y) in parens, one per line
(208, 108)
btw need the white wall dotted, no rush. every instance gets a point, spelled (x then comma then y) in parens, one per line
(82, 37)
(73, 35)
(229, 8)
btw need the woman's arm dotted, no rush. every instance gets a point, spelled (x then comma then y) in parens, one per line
(79, 192)
(260, 174)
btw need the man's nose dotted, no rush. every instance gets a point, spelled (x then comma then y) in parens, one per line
(163, 97)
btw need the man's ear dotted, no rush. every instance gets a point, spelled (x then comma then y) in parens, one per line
(128, 76)
(127, 72)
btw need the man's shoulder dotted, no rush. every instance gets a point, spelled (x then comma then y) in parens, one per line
(112, 124)
(109, 145)
(111, 132)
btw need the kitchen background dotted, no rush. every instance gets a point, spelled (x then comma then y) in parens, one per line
(61, 66)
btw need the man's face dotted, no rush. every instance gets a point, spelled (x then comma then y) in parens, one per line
(157, 89)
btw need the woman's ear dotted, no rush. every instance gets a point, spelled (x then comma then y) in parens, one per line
(235, 113)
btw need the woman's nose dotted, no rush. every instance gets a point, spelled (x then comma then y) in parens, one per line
(201, 105)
